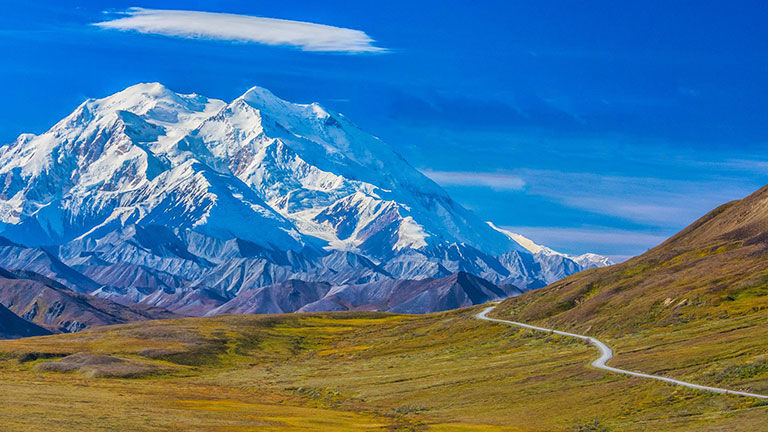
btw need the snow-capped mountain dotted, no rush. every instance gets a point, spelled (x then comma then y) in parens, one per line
(152, 195)
(586, 261)
(116, 161)
(555, 265)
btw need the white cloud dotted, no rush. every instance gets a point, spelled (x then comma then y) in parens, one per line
(645, 200)
(243, 28)
(598, 235)
(498, 181)
(649, 201)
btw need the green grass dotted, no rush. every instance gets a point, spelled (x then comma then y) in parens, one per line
(363, 371)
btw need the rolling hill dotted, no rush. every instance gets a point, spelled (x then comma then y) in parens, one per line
(714, 269)
(345, 371)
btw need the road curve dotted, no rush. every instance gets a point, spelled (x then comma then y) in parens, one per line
(606, 354)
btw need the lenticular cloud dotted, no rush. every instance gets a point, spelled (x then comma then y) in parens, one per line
(244, 28)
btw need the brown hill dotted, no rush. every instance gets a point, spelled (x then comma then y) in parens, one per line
(53, 306)
(714, 269)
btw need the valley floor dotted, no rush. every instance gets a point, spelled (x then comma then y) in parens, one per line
(373, 371)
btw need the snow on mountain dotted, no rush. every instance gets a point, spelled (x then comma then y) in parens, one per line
(556, 264)
(590, 260)
(334, 181)
(115, 162)
(160, 197)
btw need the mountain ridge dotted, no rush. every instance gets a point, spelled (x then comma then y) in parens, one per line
(56, 308)
(148, 195)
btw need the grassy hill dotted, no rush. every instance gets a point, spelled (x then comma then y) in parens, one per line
(695, 307)
(715, 269)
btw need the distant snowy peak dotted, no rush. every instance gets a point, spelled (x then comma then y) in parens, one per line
(590, 260)
(279, 175)
(585, 261)
(525, 242)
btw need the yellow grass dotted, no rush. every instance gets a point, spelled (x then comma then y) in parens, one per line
(364, 371)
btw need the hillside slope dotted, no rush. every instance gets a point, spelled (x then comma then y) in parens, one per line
(51, 305)
(714, 269)
(693, 308)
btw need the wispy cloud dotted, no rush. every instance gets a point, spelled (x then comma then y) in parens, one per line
(498, 181)
(645, 200)
(244, 28)
(648, 201)
(757, 166)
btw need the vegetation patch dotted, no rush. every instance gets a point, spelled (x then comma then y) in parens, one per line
(591, 426)
(367, 371)
(32, 356)
(741, 372)
(93, 365)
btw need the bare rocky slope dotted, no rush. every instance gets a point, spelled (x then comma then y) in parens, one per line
(50, 305)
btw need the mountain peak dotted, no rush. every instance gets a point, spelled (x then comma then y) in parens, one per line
(524, 243)
(289, 178)
(257, 93)
(264, 100)
(131, 98)
(587, 260)
(149, 88)
(158, 104)
(310, 119)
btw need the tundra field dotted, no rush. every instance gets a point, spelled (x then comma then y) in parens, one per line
(375, 371)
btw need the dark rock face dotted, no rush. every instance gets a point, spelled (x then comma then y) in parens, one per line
(413, 296)
(14, 327)
(152, 283)
(285, 297)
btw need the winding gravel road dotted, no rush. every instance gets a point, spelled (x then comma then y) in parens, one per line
(606, 354)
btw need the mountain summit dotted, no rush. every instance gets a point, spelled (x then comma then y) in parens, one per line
(171, 199)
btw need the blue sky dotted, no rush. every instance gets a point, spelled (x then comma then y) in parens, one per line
(588, 126)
